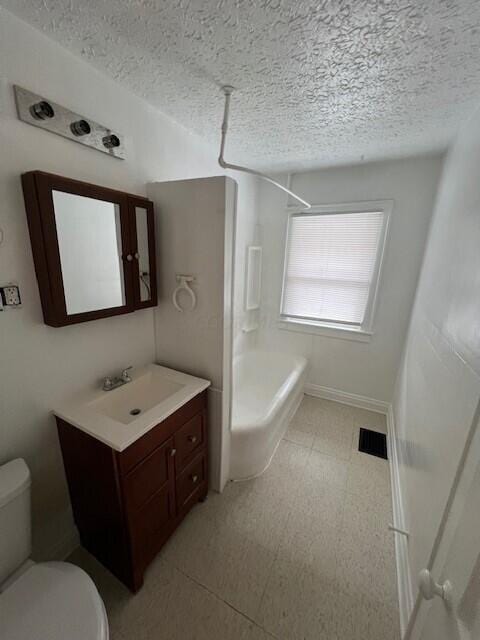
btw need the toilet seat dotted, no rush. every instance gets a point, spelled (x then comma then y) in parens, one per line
(52, 601)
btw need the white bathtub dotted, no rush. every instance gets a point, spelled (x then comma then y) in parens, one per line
(267, 389)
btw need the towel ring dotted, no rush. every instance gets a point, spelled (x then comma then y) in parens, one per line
(183, 285)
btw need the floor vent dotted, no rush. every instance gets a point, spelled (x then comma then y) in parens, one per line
(373, 443)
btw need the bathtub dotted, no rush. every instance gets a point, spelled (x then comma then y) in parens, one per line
(267, 389)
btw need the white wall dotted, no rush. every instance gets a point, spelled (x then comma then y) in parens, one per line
(247, 233)
(41, 365)
(194, 237)
(438, 387)
(362, 368)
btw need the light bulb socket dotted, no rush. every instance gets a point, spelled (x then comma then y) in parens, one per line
(80, 128)
(42, 110)
(111, 141)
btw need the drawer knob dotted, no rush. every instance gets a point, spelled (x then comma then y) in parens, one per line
(173, 452)
(194, 479)
(192, 439)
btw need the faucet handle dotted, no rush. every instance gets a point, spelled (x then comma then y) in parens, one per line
(125, 376)
(107, 383)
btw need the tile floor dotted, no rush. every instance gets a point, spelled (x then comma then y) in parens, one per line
(301, 553)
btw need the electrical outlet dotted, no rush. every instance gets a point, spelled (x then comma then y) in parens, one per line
(10, 296)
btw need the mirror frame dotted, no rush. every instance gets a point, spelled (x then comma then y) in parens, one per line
(133, 203)
(37, 188)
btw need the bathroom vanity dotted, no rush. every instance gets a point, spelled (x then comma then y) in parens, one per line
(132, 476)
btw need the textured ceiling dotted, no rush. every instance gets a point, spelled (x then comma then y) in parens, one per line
(318, 82)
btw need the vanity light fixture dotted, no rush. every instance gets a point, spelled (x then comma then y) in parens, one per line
(48, 115)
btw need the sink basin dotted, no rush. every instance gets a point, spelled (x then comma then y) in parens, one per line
(136, 397)
(121, 416)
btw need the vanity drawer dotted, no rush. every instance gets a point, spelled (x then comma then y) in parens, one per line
(189, 440)
(148, 476)
(190, 481)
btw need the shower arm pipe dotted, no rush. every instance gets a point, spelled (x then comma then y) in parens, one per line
(236, 167)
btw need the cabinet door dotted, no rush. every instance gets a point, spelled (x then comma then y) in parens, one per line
(142, 223)
(148, 477)
(82, 248)
(149, 493)
(153, 526)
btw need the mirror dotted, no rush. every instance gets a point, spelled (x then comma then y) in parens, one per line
(90, 246)
(143, 255)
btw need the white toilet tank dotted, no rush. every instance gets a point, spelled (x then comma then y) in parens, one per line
(15, 524)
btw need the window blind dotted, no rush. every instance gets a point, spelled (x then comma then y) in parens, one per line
(330, 265)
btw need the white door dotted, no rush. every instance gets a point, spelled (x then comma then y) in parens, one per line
(458, 561)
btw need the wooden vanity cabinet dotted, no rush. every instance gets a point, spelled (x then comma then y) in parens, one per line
(127, 504)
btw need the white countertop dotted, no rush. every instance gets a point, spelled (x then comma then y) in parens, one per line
(105, 414)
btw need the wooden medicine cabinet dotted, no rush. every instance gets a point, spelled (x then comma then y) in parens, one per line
(93, 248)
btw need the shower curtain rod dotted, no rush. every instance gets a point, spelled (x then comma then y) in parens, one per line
(227, 90)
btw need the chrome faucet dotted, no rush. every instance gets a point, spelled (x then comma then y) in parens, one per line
(117, 381)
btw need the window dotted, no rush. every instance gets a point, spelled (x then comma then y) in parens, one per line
(332, 266)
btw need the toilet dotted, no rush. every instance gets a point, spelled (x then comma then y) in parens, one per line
(46, 600)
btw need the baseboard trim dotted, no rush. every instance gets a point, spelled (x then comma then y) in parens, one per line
(354, 400)
(404, 577)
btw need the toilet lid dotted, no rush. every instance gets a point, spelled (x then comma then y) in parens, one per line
(52, 601)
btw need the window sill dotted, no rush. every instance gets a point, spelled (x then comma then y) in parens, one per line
(330, 331)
